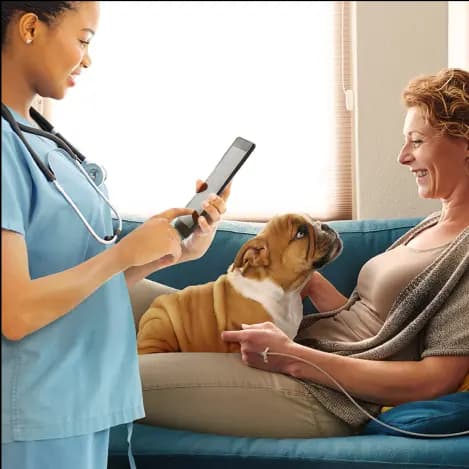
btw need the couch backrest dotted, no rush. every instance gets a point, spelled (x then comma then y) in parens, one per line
(362, 240)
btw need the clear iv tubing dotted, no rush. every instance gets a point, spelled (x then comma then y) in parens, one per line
(266, 352)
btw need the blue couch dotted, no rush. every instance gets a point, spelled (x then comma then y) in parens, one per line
(156, 447)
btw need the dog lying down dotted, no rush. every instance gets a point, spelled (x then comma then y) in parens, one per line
(263, 284)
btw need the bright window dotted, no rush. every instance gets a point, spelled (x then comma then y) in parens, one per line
(173, 83)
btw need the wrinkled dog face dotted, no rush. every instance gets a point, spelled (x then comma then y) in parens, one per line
(288, 250)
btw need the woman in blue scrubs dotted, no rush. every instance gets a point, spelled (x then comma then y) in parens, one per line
(69, 361)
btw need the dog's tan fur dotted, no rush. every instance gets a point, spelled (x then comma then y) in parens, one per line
(263, 284)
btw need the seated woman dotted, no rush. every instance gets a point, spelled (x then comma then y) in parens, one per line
(402, 336)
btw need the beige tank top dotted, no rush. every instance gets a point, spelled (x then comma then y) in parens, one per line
(379, 282)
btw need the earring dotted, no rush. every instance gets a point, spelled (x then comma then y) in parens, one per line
(28, 41)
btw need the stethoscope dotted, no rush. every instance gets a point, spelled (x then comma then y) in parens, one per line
(93, 172)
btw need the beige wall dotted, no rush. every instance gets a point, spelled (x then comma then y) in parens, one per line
(395, 41)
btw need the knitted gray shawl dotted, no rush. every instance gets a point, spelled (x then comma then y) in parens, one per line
(433, 309)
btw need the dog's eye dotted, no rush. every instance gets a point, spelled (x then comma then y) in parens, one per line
(302, 232)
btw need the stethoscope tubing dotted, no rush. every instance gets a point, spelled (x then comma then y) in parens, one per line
(93, 233)
(77, 158)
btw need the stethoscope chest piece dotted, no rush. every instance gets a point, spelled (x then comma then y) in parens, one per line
(96, 172)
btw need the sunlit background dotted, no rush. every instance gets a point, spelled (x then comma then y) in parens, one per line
(173, 83)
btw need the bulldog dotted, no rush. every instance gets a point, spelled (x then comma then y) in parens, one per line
(263, 284)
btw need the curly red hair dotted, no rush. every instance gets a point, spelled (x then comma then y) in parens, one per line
(444, 100)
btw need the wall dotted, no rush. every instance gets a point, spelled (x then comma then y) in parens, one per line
(395, 41)
(458, 34)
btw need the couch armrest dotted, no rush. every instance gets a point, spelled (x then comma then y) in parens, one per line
(142, 295)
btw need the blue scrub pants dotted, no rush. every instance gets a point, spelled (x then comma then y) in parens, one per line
(79, 452)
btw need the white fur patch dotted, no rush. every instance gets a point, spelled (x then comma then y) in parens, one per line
(286, 309)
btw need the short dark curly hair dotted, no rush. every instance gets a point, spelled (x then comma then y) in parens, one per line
(444, 100)
(45, 11)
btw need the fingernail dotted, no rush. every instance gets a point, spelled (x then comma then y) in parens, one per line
(203, 187)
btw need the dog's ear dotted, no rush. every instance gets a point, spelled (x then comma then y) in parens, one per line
(254, 253)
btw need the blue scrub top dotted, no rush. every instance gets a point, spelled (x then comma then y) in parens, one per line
(80, 373)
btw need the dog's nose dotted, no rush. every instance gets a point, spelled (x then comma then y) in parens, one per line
(325, 227)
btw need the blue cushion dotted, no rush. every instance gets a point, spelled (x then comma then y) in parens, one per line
(446, 414)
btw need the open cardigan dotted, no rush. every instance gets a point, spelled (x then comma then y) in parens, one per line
(432, 309)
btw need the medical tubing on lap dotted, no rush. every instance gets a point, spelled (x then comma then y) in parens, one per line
(266, 352)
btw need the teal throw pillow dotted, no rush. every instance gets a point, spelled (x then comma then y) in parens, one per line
(445, 414)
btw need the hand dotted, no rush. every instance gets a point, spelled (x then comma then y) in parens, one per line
(255, 338)
(156, 239)
(323, 295)
(199, 241)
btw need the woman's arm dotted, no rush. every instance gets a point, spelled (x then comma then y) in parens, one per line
(193, 247)
(29, 305)
(136, 273)
(323, 295)
(382, 382)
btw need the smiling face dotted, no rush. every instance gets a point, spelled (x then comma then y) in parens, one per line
(288, 250)
(59, 51)
(438, 162)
